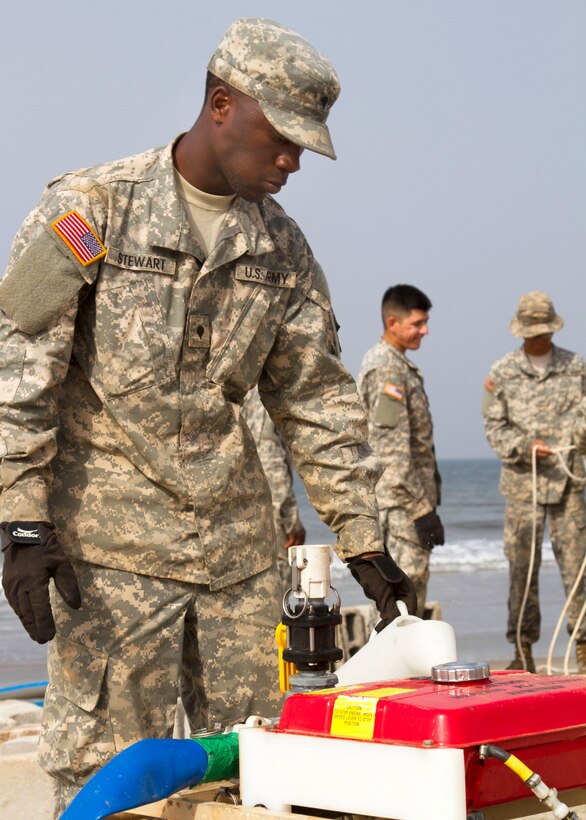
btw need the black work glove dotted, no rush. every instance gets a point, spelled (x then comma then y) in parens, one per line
(430, 530)
(385, 584)
(32, 556)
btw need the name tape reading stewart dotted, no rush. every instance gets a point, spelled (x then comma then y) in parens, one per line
(140, 262)
(264, 276)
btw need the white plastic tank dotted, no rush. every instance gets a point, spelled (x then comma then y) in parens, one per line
(407, 647)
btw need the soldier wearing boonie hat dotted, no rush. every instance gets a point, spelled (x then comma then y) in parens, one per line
(535, 316)
(150, 295)
(532, 403)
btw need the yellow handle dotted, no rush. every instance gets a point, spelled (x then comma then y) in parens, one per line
(286, 668)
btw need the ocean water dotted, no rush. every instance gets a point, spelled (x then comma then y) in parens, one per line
(468, 573)
(472, 512)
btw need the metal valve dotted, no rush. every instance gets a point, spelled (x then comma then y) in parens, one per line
(311, 618)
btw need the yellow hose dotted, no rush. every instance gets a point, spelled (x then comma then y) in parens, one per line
(520, 769)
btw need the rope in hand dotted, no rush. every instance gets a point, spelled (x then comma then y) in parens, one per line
(557, 451)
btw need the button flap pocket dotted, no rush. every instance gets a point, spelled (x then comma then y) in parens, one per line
(242, 348)
(80, 670)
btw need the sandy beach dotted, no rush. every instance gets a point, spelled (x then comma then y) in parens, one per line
(475, 604)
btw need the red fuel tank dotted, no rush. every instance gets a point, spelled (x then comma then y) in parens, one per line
(540, 719)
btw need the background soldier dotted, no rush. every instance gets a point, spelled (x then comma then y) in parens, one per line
(531, 401)
(277, 467)
(401, 432)
(143, 299)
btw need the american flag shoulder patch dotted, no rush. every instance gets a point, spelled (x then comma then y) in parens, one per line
(79, 237)
(490, 384)
(394, 391)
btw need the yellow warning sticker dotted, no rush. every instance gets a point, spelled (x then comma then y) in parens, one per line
(354, 717)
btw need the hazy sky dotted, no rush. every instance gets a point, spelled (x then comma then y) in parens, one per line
(461, 141)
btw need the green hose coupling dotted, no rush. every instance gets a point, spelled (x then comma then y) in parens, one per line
(222, 752)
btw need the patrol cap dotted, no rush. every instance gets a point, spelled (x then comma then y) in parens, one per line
(535, 315)
(293, 83)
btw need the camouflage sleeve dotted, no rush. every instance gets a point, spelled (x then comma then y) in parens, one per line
(278, 469)
(509, 442)
(276, 464)
(38, 303)
(579, 429)
(289, 511)
(315, 404)
(31, 368)
(390, 424)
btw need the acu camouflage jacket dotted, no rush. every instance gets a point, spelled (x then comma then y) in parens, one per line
(520, 406)
(400, 430)
(122, 380)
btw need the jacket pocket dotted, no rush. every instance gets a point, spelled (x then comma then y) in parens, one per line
(243, 335)
(132, 346)
(568, 397)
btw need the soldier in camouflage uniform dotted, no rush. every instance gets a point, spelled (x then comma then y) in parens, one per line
(401, 432)
(277, 467)
(143, 299)
(531, 400)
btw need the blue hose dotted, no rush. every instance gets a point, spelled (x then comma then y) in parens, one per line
(145, 772)
(24, 691)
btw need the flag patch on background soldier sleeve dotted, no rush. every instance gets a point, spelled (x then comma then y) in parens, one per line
(79, 237)
(490, 384)
(394, 391)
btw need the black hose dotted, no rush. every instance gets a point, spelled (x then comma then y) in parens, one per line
(495, 751)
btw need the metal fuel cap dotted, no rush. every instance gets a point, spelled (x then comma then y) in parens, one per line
(456, 672)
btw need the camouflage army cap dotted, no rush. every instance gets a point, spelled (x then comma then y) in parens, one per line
(535, 315)
(293, 83)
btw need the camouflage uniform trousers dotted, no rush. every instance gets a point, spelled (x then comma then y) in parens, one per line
(566, 524)
(400, 538)
(118, 665)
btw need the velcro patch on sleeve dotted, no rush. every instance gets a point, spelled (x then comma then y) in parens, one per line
(490, 384)
(40, 284)
(79, 238)
(394, 391)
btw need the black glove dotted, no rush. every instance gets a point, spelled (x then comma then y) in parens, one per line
(385, 584)
(430, 530)
(32, 556)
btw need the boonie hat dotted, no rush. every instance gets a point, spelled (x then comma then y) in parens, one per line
(535, 315)
(293, 83)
